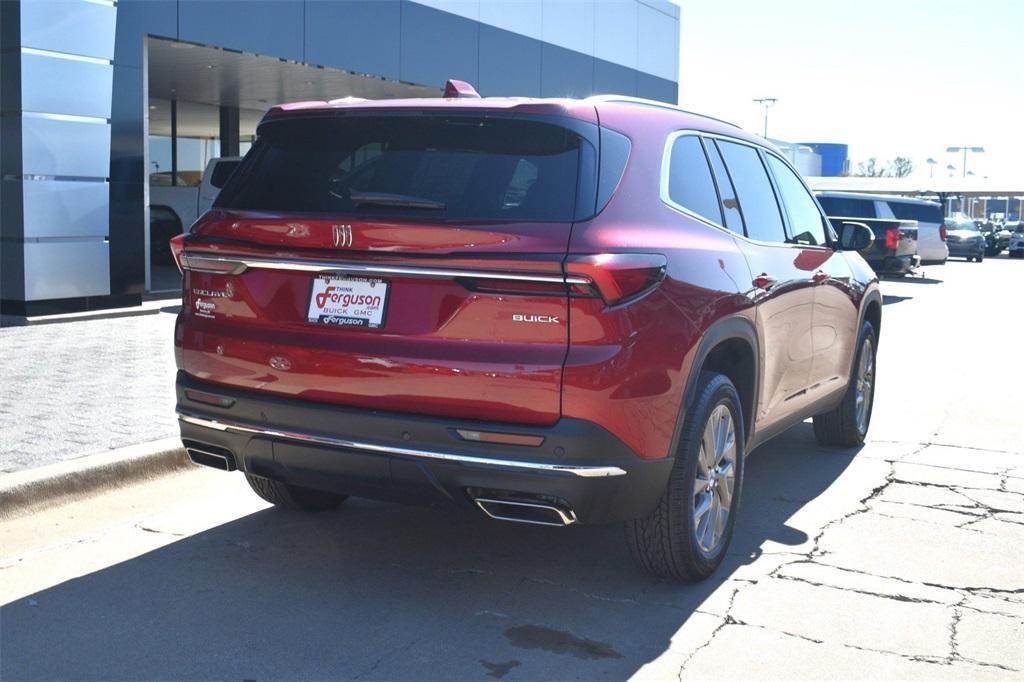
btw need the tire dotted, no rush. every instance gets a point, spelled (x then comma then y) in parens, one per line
(666, 543)
(842, 426)
(293, 497)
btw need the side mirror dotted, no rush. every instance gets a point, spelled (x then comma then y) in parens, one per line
(855, 236)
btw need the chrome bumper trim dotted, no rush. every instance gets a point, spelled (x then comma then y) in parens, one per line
(218, 264)
(225, 425)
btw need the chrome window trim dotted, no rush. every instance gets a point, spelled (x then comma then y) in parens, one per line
(666, 159)
(194, 260)
(316, 439)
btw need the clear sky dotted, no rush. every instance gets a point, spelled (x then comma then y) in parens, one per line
(888, 77)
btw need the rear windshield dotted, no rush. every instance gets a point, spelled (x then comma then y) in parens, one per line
(846, 207)
(433, 167)
(922, 213)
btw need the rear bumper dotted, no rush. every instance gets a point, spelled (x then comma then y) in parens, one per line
(894, 265)
(964, 250)
(407, 458)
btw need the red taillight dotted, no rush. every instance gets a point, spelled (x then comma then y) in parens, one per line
(178, 251)
(616, 276)
(942, 231)
(892, 238)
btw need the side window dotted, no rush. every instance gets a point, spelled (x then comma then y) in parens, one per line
(805, 221)
(844, 207)
(730, 204)
(757, 198)
(689, 179)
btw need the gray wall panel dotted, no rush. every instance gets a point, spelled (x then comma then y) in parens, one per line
(70, 269)
(653, 87)
(565, 73)
(509, 64)
(358, 35)
(55, 208)
(269, 27)
(59, 147)
(437, 46)
(135, 19)
(127, 139)
(612, 79)
(72, 26)
(65, 86)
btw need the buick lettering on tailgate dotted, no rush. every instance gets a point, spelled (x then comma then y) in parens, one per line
(348, 301)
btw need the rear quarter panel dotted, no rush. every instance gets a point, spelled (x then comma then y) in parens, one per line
(627, 365)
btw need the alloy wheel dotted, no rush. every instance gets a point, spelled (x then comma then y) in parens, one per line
(865, 386)
(715, 479)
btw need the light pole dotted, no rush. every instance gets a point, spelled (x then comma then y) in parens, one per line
(765, 102)
(931, 168)
(977, 150)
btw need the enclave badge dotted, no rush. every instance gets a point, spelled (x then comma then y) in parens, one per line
(342, 236)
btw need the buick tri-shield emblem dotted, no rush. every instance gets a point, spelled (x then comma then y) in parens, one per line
(342, 236)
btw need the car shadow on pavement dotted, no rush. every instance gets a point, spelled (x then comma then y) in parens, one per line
(376, 591)
(889, 300)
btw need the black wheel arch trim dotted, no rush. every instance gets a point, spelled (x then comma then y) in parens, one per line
(732, 327)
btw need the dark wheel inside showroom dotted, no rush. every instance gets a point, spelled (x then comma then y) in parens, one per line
(847, 424)
(686, 536)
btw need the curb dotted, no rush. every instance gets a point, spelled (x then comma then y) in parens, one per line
(150, 307)
(26, 491)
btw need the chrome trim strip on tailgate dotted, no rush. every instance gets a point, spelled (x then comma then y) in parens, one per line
(225, 425)
(219, 264)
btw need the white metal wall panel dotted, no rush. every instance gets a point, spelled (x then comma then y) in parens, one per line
(65, 86)
(569, 24)
(66, 269)
(62, 147)
(615, 32)
(518, 16)
(72, 26)
(54, 208)
(658, 47)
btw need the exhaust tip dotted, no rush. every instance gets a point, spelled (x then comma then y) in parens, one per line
(536, 513)
(208, 456)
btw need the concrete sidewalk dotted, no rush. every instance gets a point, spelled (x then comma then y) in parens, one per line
(80, 387)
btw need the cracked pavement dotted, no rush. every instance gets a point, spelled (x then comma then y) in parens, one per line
(902, 559)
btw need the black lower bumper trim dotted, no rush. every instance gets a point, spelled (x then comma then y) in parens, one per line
(410, 458)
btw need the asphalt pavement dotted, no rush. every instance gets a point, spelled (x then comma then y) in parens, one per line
(902, 559)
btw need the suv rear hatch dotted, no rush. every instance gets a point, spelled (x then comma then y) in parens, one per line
(408, 261)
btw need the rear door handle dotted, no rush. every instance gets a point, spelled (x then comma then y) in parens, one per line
(764, 281)
(820, 277)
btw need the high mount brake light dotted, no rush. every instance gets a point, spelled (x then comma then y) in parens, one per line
(617, 277)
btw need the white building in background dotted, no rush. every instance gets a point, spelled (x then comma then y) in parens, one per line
(804, 158)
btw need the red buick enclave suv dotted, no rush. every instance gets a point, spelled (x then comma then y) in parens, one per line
(552, 311)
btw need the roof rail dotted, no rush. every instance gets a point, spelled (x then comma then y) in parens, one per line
(653, 103)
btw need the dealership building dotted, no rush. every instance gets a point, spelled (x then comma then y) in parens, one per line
(107, 104)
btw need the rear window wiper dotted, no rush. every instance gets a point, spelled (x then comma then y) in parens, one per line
(394, 200)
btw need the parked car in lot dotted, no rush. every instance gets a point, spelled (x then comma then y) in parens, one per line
(1015, 246)
(931, 229)
(965, 240)
(461, 301)
(893, 249)
(997, 238)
